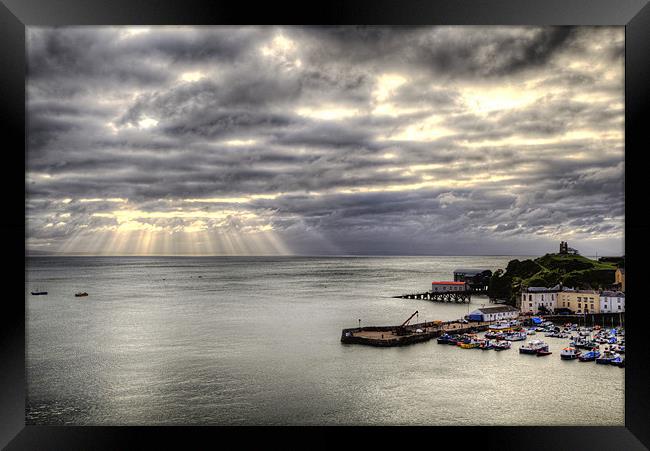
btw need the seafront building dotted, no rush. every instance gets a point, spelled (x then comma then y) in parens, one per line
(612, 302)
(619, 279)
(497, 313)
(532, 298)
(579, 301)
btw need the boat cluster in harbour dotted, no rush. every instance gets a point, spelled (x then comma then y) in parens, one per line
(584, 344)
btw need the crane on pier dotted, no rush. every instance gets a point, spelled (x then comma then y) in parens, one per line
(401, 330)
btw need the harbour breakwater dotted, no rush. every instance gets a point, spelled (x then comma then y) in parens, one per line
(386, 336)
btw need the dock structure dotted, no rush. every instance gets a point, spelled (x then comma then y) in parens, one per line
(458, 297)
(386, 336)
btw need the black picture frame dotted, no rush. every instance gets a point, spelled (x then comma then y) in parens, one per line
(15, 15)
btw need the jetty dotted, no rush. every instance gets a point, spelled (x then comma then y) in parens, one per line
(406, 334)
(458, 297)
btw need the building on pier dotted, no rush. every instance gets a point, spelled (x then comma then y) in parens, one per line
(477, 279)
(447, 286)
(495, 313)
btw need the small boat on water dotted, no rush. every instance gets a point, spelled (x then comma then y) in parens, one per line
(532, 347)
(82, 294)
(569, 353)
(515, 336)
(606, 358)
(493, 334)
(589, 356)
(583, 344)
(444, 339)
(620, 349)
(486, 345)
(543, 352)
(618, 361)
(39, 293)
(501, 345)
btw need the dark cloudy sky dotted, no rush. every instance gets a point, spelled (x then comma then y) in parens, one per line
(325, 140)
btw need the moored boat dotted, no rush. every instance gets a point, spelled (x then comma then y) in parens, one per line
(532, 347)
(515, 336)
(485, 345)
(606, 358)
(543, 352)
(39, 293)
(618, 361)
(82, 294)
(589, 356)
(569, 353)
(501, 345)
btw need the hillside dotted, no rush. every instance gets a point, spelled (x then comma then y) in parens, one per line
(573, 271)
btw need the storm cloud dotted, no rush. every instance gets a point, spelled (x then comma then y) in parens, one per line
(325, 140)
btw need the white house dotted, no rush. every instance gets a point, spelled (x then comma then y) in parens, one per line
(533, 298)
(612, 302)
(448, 286)
(497, 313)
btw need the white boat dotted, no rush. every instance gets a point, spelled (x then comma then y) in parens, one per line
(532, 347)
(569, 353)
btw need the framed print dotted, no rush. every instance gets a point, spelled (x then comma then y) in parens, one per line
(288, 223)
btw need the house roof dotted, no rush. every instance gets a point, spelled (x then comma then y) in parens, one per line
(543, 289)
(496, 309)
(613, 294)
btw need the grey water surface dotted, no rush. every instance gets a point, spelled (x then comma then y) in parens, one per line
(256, 340)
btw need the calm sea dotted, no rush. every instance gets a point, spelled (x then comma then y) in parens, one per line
(239, 341)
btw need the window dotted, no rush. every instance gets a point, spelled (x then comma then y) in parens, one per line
(530, 297)
(531, 304)
(619, 307)
(578, 304)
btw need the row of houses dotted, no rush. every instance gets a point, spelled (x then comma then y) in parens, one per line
(561, 299)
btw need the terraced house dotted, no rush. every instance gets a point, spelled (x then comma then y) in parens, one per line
(579, 301)
(536, 299)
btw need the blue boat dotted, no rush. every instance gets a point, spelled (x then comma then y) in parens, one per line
(618, 361)
(606, 358)
(444, 339)
(589, 356)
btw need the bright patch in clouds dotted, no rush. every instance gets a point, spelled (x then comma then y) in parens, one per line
(325, 140)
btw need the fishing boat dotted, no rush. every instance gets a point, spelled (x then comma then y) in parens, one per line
(583, 344)
(620, 349)
(82, 294)
(39, 293)
(618, 361)
(501, 345)
(543, 352)
(606, 358)
(531, 332)
(589, 356)
(515, 336)
(491, 334)
(502, 326)
(569, 353)
(444, 339)
(532, 347)
(485, 345)
(469, 344)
